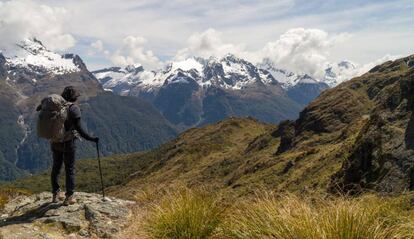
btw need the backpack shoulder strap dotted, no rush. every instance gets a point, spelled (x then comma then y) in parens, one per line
(68, 106)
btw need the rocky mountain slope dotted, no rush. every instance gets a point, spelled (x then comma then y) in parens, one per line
(198, 91)
(356, 136)
(33, 73)
(370, 116)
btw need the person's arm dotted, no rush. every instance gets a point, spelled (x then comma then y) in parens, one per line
(78, 127)
(75, 115)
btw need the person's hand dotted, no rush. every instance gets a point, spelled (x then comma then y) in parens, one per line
(95, 139)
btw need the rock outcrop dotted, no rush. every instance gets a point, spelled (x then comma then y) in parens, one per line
(91, 217)
(382, 158)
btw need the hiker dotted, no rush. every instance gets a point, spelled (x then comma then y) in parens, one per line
(64, 149)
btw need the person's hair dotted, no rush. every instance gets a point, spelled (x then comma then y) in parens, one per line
(70, 94)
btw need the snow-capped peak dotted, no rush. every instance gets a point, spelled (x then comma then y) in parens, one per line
(134, 68)
(228, 72)
(287, 78)
(339, 72)
(121, 80)
(31, 54)
(335, 73)
(186, 65)
(33, 46)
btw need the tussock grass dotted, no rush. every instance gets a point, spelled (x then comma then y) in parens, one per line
(197, 214)
(184, 214)
(290, 217)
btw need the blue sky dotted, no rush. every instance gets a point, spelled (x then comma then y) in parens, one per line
(152, 32)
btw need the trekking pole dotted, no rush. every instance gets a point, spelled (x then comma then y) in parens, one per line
(100, 170)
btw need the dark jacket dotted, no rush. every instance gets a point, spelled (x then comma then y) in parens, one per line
(73, 122)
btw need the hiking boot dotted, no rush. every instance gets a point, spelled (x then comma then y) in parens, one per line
(59, 196)
(69, 201)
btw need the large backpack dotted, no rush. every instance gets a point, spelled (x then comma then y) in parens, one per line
(51, 120)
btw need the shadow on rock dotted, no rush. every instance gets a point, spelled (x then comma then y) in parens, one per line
(409, 143)
(30, 215)
(409, 134)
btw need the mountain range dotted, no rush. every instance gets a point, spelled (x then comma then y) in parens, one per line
(198, 91)
(124, 124)
(134, 109)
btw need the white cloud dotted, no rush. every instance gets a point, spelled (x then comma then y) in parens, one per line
(241, 27)
(302, 50)
(206, 44)
(132, 52)
(20, 19)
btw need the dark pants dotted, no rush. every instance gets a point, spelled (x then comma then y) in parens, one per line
(63, 153)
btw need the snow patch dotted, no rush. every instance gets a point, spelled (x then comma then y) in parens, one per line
(33, 55)
(128, 77)
(186, 65)
(339, 72)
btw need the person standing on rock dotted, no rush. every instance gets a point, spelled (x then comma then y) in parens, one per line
(62, 141)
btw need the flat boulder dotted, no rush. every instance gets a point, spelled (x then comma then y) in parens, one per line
(90, 217)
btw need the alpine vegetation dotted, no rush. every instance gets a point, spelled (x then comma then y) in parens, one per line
(189, 214)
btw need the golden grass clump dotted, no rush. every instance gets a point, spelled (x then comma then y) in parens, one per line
(195, 214)
(290, 217)
(184, 214)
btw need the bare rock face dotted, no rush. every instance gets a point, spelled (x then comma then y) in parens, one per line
(91, 217)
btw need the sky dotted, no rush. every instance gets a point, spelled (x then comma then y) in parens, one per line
(298, 35)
